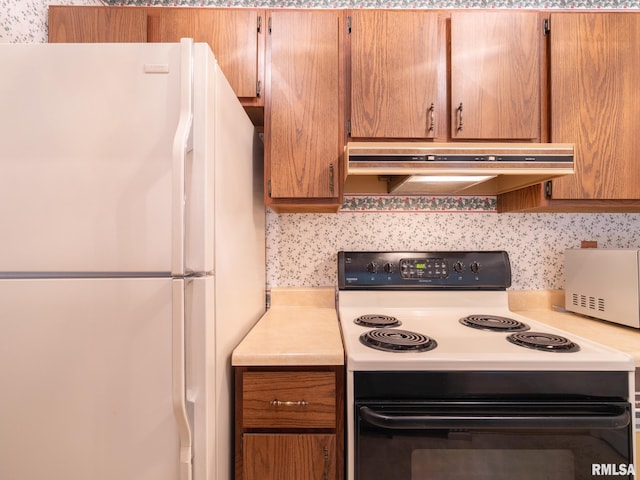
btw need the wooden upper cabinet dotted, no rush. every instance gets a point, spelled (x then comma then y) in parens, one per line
(304, 114)
(234, 35)
(595, 100)
(398, 74)
(78, 24)
(495, 75)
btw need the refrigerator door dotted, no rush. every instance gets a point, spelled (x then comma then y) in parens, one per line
(202, 396)
(88, 387)
(89, 178)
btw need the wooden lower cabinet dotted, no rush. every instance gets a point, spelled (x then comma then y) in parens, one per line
(289, 423)
(289, 456)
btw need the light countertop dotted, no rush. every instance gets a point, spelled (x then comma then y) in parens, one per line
(301, 327)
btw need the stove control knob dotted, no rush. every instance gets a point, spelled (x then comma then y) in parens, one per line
(458, 267)
(372, 267)
(475, 267)
(388, 267)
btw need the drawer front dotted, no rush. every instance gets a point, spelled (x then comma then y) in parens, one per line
(289, 400)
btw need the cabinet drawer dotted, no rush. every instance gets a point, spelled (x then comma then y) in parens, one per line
(289, 400)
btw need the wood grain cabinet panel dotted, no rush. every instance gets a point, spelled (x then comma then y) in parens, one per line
(290, 457)
(78, 24)
(495, 75)
(396, 73)
(304, 113)
(235, 37)
(595, 102)
(289, 400)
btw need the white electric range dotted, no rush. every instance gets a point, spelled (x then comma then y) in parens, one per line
(432, 350)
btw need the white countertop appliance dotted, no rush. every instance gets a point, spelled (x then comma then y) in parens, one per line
(444, 381)
(604, 283)
(131, 262)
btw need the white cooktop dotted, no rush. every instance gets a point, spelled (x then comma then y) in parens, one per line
(436, 314)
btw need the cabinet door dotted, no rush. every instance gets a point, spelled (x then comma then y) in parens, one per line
(234, 35)
(395, 73)
(595, 100)
(304, 131)
(495, 75)
(97, 24)
(289, 457)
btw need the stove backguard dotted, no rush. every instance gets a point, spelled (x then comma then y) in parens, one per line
(455, 270)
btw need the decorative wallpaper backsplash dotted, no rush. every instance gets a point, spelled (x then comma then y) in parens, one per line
(302, 248)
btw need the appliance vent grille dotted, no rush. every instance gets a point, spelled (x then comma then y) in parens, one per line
(588, 302)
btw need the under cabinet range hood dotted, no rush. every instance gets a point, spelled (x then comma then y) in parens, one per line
(453, 168)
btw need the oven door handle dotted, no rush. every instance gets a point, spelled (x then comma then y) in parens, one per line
(511, 418)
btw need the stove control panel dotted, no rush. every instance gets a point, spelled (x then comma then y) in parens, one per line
(425, 267)
(424, 270)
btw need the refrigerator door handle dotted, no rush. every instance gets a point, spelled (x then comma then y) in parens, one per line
(182, 145)
(180, 380)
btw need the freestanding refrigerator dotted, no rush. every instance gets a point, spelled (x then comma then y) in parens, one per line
(131, 260)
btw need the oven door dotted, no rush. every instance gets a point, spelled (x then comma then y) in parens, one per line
(493, 440)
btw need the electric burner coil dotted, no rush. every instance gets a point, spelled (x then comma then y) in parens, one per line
(396, 340)
(544, 342)
(377, 321)
(494, 323)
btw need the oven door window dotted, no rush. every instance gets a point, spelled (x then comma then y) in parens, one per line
(495, 441)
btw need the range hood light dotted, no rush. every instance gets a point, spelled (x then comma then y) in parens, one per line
(436, 184)
(450, 178)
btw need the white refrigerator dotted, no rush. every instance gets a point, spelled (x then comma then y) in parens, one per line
(132, 260)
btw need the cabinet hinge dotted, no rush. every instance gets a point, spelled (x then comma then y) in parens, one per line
(548, 189)
(258, 88)
(546, 27)
(348, 128)
(349, 24)
(269, 26)
(260, 24)
(269, 188)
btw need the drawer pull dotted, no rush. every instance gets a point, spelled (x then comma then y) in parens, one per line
(299, 403)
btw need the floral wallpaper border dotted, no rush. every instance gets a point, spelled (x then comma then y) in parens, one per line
(416, 203)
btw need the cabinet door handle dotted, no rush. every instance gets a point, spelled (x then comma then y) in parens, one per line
(331, 180)
(325, 475)
(432, 117)
(278, 403)
(459, 109)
